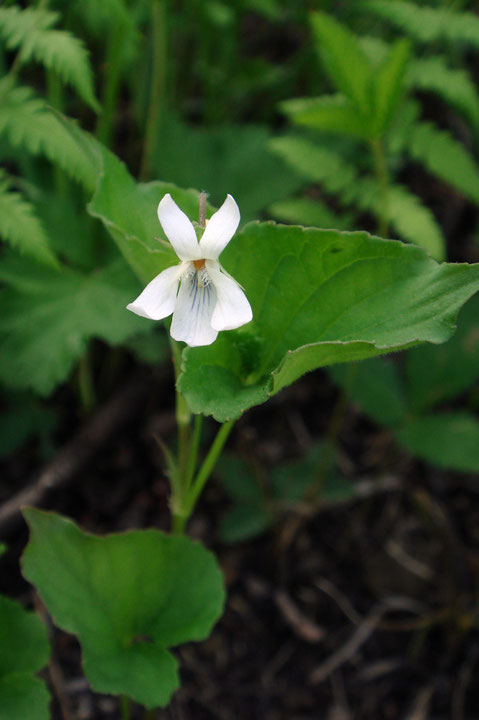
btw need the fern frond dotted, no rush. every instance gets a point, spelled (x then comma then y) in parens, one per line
(410, 219)
(315, 162)
(16, 24)
(313, 213)
(57, 50)
(445, 157)
(333, 113)
(427, 24)
(20, 227)
(455, 86)
(435, 75)
(27, 122)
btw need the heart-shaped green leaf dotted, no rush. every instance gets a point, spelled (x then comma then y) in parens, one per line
(129, 597)
(24, 649)
(320, 297)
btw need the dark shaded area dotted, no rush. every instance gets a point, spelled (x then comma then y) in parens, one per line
(362, 609)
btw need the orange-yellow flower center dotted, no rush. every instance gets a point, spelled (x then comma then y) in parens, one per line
(199, 264)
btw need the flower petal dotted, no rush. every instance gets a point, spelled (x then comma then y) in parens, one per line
(220, 229)
(232, 307)
(194, 308)
(178, 229)
(158, 299)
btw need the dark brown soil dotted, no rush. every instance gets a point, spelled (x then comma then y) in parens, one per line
(364, 610)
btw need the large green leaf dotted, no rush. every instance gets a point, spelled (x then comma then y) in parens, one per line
(48, 317)
(320, 297)
(129, 597)
(24, 649)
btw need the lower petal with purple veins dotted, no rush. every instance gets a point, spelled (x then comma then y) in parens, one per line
(192, 316)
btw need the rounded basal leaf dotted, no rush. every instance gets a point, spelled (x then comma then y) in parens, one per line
(24, 650)
(129, 597)
(320, 297)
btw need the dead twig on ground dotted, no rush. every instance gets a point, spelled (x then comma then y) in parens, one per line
(76, 453)
(304, 627)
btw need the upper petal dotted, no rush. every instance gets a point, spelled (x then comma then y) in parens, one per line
(158, 299)
(192, 317)
(178, 229)
(232, 307)
(220, 229)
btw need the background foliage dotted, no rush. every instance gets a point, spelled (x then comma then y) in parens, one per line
(357, 121)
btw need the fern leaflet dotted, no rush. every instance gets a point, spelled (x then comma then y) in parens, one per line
(427, 24)
(445, 157)
(27, 122)
(410, 219)
(455, 86)
(20, 227)
(407, 215)
(58, 50)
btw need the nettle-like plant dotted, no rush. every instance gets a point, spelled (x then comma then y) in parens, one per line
(361, 138)
(283, 302)
(52, 280)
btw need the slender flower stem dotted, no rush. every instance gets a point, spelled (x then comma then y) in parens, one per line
(125, 707)
(381, 171)
(202, 210)
(207, 466)
(157, 85)
(194, 448)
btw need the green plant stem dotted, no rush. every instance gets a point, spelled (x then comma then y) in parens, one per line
(207, 466)
(157, 85)
(85, 382)
(194, 449)
(183, 423)
(125, 707)
(111, 87)
(186, 502)
(56, 100)
(381, 171)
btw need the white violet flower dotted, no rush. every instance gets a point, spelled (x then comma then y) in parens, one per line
(208, 300)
